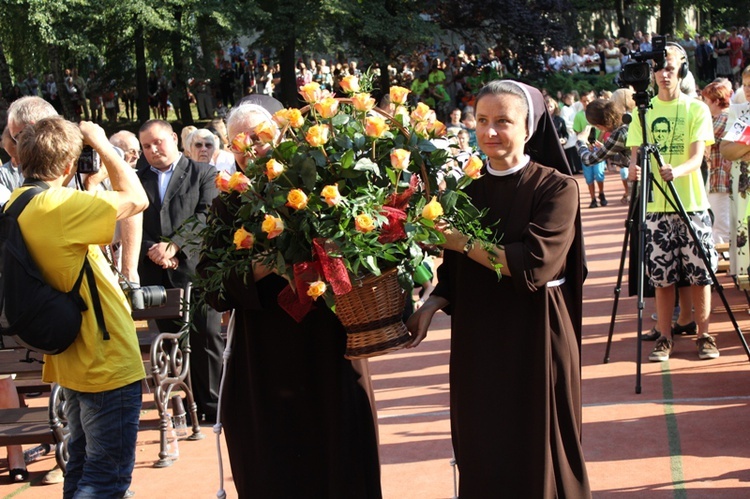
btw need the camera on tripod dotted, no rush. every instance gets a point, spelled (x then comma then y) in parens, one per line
(636, 72)
(144, 297)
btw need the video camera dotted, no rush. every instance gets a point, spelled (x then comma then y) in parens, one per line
(636, 72)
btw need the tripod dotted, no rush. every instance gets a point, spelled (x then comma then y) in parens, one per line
(639, 199)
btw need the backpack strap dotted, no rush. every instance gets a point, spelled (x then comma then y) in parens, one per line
(15, 210)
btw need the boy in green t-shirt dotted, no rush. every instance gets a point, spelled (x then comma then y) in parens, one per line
(681, 127)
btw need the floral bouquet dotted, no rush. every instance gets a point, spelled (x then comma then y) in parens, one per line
(349, 196)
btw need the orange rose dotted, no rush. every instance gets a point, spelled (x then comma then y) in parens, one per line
(296, 199)
(398, 95)
(242, 143)
(272, 226)
(317, 135)
(290, 116)
(222, 181)
(350, 84)
(375, 126)
(239, 182)
(422, 113)
(400, 158)
(437, 128)
(330, 195)
(243, 239)
(327, 108)
(364, 223)
(432, 210)
(473, 167)
(316, 289)
(363, 102)
(310, 93)
(274, 169)
(266, 132)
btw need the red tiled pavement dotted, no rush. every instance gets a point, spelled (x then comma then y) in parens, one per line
(692, 444)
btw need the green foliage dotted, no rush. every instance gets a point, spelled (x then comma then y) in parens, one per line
(565, 82)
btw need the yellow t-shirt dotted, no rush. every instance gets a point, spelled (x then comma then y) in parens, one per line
(673, 126)
(60, 226)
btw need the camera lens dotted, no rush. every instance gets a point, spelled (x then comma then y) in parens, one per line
(154, 296)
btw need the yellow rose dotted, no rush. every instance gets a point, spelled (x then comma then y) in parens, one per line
(375, 126)
(363, 102)
(266, 132)
(364, 223)
(222, 181)
(331, 195)
(243, 239)
(422, 113)
(398, 95)
(290, 116)
(272, 226)
(316, 289)
(350, 84)
(422, 128)
(327, 108)
(473, 167)
(317, 135)
(400, 158)
(296, 199)
(310, 92)
(432, 210)
(274, 169)
(239, 182)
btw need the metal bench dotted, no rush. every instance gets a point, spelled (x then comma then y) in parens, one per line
(170, 365)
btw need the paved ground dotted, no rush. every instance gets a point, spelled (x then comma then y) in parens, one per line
(684, 436)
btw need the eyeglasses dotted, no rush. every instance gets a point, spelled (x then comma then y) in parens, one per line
(199, 145)
(133, 152)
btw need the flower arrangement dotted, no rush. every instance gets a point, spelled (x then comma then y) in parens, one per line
(347, 191)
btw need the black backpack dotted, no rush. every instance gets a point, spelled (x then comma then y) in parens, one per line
(39, 317)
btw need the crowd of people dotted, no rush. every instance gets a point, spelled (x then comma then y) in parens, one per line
(306, 426)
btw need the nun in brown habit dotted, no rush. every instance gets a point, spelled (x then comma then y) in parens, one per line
(515, 369)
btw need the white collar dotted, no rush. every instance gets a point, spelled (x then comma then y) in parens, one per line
(510, 171)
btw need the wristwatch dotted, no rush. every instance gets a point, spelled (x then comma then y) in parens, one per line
(467, 247)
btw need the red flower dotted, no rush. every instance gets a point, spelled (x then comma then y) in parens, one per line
(393, 229)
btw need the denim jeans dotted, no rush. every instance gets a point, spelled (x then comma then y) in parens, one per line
(103, 431)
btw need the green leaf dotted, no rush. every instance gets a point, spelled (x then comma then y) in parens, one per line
(347, 160)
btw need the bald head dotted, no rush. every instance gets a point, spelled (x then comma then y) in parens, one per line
(128, 142)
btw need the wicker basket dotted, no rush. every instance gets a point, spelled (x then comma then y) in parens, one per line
(371, 314)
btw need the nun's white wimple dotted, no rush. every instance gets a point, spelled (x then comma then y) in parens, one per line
(531, 123)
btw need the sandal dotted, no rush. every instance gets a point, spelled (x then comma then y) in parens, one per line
(625, 199)
(652, 335)
(686, 330)
(18, 475)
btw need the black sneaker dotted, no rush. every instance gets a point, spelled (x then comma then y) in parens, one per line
(602, 199)
(652, 335)
(690, 329)
(593, 204)
(661, 351)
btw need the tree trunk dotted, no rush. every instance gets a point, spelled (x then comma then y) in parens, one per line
(6, 82)
(62, 90)
(666, 18)
(186, 114)
(141, 78)
(288, 82)
(624, 25)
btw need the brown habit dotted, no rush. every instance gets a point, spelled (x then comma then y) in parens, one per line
(515, 343)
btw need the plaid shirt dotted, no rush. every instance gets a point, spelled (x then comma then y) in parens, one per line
(718, 180)
(613, 148)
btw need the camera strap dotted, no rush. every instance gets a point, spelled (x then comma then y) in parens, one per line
(98, 312)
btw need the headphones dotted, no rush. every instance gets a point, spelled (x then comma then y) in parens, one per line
(682, 72)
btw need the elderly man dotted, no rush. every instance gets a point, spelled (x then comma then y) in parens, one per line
(101, 373)
(180, 191)
(128, 142)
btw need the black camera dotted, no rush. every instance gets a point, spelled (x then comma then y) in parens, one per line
(88, 161)
(144, 297)
(636, 72)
